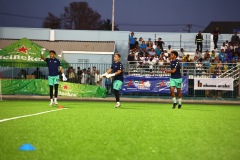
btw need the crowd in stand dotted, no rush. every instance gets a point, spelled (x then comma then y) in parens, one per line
(84, 76)
(148, 53)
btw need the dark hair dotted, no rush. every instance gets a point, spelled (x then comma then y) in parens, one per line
(175, 52)
(118, 55)
(52, 51)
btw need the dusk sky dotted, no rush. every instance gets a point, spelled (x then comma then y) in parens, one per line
(130, 15)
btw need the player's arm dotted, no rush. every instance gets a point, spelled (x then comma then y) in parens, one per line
(64, 78)
(42, 54)
(171, 71)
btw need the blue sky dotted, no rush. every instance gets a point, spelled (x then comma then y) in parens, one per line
(130, 15)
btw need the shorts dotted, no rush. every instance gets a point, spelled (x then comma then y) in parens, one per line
(53, 80)
(117, 85)
(176, 82)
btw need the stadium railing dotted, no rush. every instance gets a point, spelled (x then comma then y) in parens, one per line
(190, 69)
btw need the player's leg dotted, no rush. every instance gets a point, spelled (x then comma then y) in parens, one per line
(50, 83)
(172, 87)
(56, 83)
(179, 91)
(117, 85)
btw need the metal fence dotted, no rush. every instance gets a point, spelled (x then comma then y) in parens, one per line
(190, 69)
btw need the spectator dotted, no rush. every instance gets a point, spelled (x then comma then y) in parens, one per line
(93, 75)
(97, 79)
(71, 75)
(198, 41)
(132, 41)
(235, 38)
(140, 40)
(222, 55)
(152, 52)
(108, 85)
(38, 74)
(22, 74)
(198, 54)
(143, 45)
(158, 51)
(169, 50)
(160, 43)
(88, 78)
(215, 34)
(149, 43)
(224, 46)
(79, 74)
(136, 42)
(213, 55)
(130, 58)
(181, 54)
(84, 76)
(207, 54)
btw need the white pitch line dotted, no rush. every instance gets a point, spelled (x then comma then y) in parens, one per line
(30, 115)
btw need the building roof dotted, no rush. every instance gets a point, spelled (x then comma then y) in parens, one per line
(60, 46)
(225, 27)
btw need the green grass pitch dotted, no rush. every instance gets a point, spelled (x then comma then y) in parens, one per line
(136, 131)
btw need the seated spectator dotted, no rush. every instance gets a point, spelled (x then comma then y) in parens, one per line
(207, 64)
(169, 49)
(207, 54)
(143, 45)
(152, 52)
(199, 68)
(224, 46)
(158, 51)
(140, 41)
(149, 43)
(130, 58)
(38, 74)
(222, 55)
(198, 54)
(213, 55)
(181, 54)
(22, 74)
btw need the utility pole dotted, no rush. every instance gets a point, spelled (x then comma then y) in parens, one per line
(113, 1)
(189, 28)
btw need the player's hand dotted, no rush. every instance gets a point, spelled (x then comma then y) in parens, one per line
(110, 75)
(103, 75)
(43, 50)
(64, 77)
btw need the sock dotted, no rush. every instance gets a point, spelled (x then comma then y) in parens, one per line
(118, 103)
(55, 99)
(174, 100)
(180, 101)
(51, 100)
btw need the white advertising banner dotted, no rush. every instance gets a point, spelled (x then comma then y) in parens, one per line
(213, 84)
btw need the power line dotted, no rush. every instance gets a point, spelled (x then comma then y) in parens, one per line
(22, 16)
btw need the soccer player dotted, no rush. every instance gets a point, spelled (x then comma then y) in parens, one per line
(53, 79)
(175, 80)
(116, 70)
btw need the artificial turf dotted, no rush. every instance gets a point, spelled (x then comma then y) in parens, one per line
(136, 131)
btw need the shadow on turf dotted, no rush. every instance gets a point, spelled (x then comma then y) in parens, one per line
(199, 109)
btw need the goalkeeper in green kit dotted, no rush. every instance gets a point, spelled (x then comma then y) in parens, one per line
(54, 65)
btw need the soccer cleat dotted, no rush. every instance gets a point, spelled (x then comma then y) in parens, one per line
(51, 103)
(174, 105)
(179, 106)
(117, 105)
(55, 102)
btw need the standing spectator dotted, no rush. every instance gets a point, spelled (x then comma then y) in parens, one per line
(79, 74)
(175, 80)
(88, 77)
(160, 43)
(71, 75)
(215, 34)
(84, 76)
(132, 41)
(97, 78)
(22, 74)
(93, 75)
(169, 50)
(38, 74)
(53, 79)
(235, 38)
(198, 41)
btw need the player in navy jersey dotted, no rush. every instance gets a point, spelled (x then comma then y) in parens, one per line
(175, 80)
(116, 73)
(53, 78)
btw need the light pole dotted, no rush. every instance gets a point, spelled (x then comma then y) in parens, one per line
(113, 1)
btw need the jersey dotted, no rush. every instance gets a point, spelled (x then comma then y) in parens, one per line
(175, 64)
(53, 65)
(115, 67)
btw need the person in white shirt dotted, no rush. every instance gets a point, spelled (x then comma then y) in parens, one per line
(181, 54)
